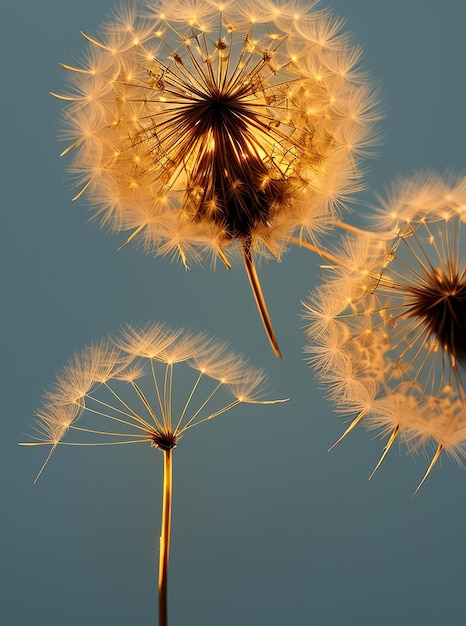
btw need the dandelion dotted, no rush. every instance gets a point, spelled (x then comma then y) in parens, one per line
(203, 127)
(123, 391)
(388, 331)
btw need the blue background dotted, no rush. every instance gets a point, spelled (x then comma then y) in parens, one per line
(268, 528)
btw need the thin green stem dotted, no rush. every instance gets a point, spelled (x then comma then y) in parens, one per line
(165, 537)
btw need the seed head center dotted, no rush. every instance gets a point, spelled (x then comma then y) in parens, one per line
(164, 440)
(234, 181)
(441, 304)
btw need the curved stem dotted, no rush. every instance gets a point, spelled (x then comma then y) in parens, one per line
(165, 537)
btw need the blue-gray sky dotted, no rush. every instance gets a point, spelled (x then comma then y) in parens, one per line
(268, 528)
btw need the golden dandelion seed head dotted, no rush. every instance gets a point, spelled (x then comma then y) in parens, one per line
(219, 103)
(134, 388)
(404, 317)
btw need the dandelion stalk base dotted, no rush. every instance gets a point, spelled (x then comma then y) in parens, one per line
(165, 537)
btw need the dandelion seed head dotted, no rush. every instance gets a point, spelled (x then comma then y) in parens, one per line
(133, 388)
(404, 319)
(164, 439)
(246, 120)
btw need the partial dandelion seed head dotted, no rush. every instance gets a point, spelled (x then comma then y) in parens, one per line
(149, 384)
(405, 321)
(246, 119)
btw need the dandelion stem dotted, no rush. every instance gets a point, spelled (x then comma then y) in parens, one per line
(260, 300)
(349, 228)
(327, 256)
(165, 537)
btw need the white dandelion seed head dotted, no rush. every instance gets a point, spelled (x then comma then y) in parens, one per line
(198, 125)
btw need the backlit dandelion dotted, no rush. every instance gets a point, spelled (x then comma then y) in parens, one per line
(125, 390)
(389, 330)
(217, 128)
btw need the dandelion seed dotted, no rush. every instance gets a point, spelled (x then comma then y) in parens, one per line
(204, 127)
(393, 323)
(124, 391)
